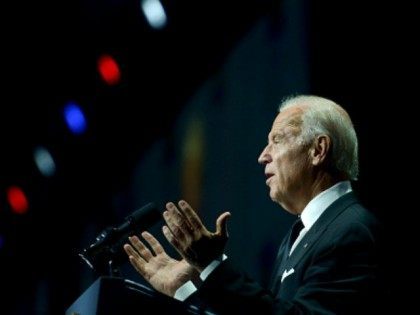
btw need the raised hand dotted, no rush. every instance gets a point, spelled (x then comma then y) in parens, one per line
(164, 273)
(190, 237)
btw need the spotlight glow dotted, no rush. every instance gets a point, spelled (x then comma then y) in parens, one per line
(109, 70)
(154, 12)
(75, 118)
(44, 161)
(17, 200)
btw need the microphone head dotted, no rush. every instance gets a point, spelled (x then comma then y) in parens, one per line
(142, 218)
(108, 245)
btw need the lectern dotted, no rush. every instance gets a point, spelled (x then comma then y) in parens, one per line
(118, 296)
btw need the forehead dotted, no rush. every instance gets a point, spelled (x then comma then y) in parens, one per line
(290, 118)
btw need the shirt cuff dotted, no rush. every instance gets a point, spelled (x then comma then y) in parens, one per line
(185, 291)
(213, 265)
(189, 288)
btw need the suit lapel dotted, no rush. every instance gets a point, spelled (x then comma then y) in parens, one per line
(318, 229)
(281, 257)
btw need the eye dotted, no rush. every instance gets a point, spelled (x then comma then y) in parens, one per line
(277, 138)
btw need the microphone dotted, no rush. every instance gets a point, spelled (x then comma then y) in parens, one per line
(107, 250)
(144, 217)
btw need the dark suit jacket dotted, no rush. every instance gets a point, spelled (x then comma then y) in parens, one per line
(336, 271)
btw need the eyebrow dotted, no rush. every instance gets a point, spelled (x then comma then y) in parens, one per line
(273, 135)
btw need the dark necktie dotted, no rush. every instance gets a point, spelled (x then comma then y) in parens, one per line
(275, 280)
(296, 228)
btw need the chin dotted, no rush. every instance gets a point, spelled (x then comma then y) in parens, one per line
(277, 198)
(274, 197)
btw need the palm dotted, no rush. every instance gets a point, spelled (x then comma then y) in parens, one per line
(168, 274)
(164, 273)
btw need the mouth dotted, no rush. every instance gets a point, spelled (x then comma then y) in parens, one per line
(268, 176)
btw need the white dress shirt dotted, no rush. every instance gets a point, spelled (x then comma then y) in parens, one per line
(318, 205)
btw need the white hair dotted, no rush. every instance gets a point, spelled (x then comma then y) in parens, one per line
(322, 116)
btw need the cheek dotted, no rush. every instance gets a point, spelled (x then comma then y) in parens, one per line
(283, 173)
(284, 163)
(288, 169)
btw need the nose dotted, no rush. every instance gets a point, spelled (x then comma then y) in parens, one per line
(264, 157)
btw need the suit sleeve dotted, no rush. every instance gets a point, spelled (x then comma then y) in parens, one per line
(340, 278)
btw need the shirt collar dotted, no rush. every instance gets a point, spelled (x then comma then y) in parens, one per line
(322, 201)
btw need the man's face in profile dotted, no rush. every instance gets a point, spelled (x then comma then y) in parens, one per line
(286, 159)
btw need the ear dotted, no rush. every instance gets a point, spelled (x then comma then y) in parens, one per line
(320, 148)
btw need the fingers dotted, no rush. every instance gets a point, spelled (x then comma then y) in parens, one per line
(171, 239)
(138, 245)
(135, 259)
(154, 243)
(139, 255)
(178, 223)
(186, 223)
(221, 224)
(132, 252)
(191, 216)
(187, 234)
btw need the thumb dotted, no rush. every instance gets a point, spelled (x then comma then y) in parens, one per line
(221, 224)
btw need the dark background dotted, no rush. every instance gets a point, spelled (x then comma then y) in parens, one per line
(203, 66)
